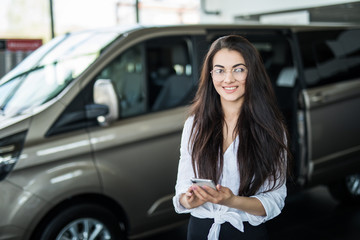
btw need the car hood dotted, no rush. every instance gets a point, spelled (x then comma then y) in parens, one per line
(14, 124)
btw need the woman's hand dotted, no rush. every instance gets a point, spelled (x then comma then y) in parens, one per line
(222, 195)
(190, 200)
(197, 196)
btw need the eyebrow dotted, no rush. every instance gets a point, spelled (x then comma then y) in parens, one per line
(236, 65)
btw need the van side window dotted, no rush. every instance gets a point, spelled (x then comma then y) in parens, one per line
(330, 56)
(170, 72)
(74, 116)
(152, 76)
(278, 61)
(127, 74)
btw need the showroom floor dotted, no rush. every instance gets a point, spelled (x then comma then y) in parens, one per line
(311, 214)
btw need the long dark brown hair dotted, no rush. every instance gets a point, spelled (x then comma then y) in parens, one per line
(262, 151)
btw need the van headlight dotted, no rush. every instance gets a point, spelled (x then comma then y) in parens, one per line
(10, 150)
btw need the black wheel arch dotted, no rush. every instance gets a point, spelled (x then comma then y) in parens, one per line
(96, 199)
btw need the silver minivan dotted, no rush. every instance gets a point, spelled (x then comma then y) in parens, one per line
(90, 123)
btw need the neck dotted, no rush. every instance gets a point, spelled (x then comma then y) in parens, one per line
(231, 110)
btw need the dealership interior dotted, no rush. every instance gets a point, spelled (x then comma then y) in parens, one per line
(93, 107)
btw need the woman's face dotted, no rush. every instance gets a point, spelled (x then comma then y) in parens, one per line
(229, 75)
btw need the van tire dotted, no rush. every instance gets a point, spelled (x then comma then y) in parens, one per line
(79, 214)
(347, 190)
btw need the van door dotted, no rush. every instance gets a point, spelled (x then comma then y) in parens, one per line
(137, 155)
(331, 61)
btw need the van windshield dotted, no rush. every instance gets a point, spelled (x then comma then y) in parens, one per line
(47, 71)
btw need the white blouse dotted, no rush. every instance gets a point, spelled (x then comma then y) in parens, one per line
(272, 201)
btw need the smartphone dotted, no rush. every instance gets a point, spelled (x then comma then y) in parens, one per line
(202, 182)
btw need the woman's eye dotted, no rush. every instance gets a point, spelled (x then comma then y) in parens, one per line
(239, 70)
(218, 71)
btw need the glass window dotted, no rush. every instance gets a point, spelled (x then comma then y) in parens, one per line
(32, 90)
(127, 75)
(170, 72)
(49, 70)
(330, 56)
(152, 76)
(74, 116)
(79, 44)
(278, 61)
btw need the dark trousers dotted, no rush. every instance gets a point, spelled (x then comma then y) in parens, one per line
(198, 229)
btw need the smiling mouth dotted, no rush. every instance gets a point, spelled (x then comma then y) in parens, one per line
(230, 88)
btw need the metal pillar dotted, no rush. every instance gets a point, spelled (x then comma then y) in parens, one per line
(137, 11)
(52, 19)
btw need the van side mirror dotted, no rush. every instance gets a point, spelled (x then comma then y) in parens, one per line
(104, 94)
(95, 110)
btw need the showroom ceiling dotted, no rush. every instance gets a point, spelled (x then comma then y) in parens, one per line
(340, 13)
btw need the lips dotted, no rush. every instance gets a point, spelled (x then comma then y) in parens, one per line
(230, 89)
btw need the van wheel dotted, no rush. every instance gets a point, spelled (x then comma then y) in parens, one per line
(86, 221)
(347, 190)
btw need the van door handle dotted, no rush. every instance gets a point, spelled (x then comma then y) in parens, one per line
(317, 98)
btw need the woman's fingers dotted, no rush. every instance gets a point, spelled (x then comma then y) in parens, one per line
(198, 191)
(203, 193)
(210, 190)
(208, 194)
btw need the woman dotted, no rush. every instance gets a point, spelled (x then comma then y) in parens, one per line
(236, 137)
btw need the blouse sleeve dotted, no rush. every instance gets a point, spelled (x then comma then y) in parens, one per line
(185, 169)
(273, 202)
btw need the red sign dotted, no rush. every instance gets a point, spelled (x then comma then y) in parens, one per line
(23, 44)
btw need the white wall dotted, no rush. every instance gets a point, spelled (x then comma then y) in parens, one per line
(231, 8)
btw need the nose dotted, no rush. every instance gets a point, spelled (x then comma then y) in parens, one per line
(229, 77)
